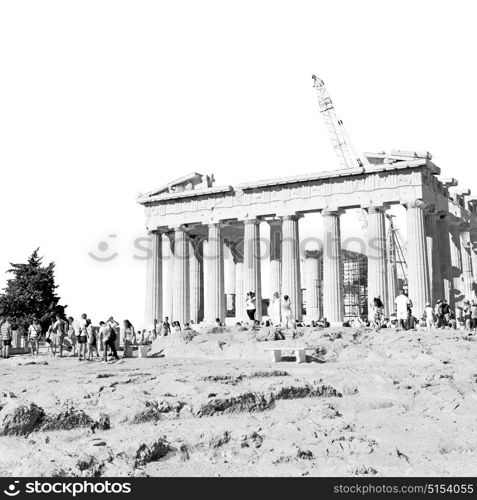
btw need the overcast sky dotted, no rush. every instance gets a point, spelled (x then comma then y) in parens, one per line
(101, 100)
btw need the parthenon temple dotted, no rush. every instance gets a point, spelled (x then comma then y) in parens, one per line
(205, 239)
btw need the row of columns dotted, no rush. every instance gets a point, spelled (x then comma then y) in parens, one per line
(440, 261)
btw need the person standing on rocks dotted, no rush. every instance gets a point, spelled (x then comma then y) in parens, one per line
(34, 333)
(166, 327)
(60, 327)
(129, 336)
(83, 337)
(429, 315)
(276, 310)
(403, 305)
(446, 313)
(92, 341)
(474, 316)
(287, 314)
(251, 306)
(467, 311)
(6, 332)
(109, 339)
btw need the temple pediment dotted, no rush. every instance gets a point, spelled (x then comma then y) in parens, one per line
(187, 182)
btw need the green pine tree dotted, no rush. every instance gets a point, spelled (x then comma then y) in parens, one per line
(30, 292)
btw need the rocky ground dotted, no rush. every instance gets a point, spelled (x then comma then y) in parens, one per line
(365, 403)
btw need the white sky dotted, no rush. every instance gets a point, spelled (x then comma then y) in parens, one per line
(100, 100)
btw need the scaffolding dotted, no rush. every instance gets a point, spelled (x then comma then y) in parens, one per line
(355, 284)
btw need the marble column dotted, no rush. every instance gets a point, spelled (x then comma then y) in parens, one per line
(392, 275)
(275, 267)
(240, 310)
(168, 270)
(154, 281)
(377, 256)
(418, 271)
(436, 281)
(333, 306)
(465, 249)
(214, 275)
(181, 281)
(473, 254)
(457, 299)
(291, 284)
(312, 289)
(195, 267)
(251, 263)
(229, 277)
(444, 257)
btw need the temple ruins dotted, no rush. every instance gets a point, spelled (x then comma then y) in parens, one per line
(205, 239)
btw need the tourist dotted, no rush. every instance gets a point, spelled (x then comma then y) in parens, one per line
(218, 322)
(52, 339)
(446, 313)
(429, 316)
(276, 310)
(403, 307)
(83, 337)
(60, 327)
(129, 337)
(176, 327)
(34, 333)
(473, 314)
(439, 317)
(287, 315)
(92, 341)
(251, 306)
(467, 311)
(109, 338)
(376, 312)
(73, 329)
(6, 331)
(166, 327)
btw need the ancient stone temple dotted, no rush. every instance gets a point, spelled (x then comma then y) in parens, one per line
(206, 250)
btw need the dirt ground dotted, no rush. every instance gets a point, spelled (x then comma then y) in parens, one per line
(366, 403)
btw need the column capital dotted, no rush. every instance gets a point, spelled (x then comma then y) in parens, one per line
(275, 222)
(181, 228)
(251, 221)
(290, 217)
(416, 204)
(332, 212)
(376, 209)
(212, 225)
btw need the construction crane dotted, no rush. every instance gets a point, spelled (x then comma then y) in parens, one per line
(348, 158)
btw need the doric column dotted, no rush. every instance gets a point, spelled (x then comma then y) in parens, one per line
(195, 273)
(291, 284)
(444, 257)
(333, 307)
(312, 289)
(168, 270)
(181, 290)
(418, 272)
(214, 275)
(275, 267)
(240, 310)
(229, 277)
(465, 249)
(153, 309)
(377, 256)
(251, 263)
(392, 274)
(473, 254)
(436, 282)
(457, 299)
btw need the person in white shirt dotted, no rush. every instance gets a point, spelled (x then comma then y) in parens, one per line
(34, 333)
(403, 305)
(429, 314)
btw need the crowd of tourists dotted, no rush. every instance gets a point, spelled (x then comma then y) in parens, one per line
(79, 338)
(440, 315)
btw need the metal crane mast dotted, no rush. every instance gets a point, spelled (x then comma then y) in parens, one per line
(347, 156)
(340, 140)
